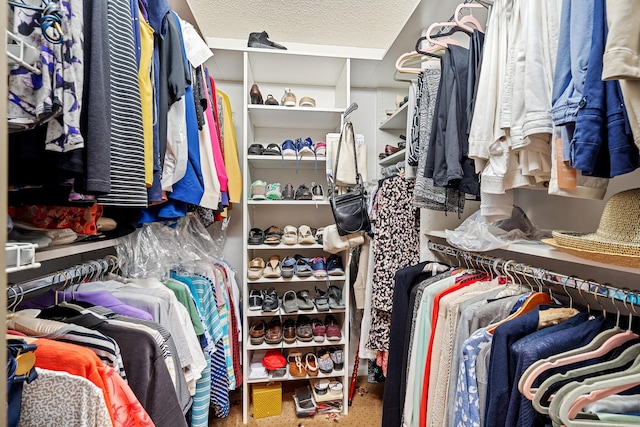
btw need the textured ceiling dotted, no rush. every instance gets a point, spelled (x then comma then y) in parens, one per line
(363, 23)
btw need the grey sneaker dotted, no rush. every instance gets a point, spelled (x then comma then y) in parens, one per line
(288, 193)
(288, 99)
(303, 193)
(317, 191)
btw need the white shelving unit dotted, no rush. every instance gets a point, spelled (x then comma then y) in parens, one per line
(396, 121)
(393, 159)
(327, 80)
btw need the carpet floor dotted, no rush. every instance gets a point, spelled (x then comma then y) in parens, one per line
(365, 411)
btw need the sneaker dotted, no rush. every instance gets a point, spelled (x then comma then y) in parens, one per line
(324, 360)
(319, 267)
(318, 330)
(304, 331)
(255, 300)
(270, 300)
(333, 331)
(288, 99)
(258, 190)
(320, 148)
(317, 191)
(289, 149)
(274, 191)
(288, 193)
(303, 193)
(334, 266)
(305, 148)
(337, 357)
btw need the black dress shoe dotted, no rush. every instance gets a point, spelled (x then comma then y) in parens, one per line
(261, 40)
(255, 95)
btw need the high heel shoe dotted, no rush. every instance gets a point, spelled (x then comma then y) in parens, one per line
(255, 95)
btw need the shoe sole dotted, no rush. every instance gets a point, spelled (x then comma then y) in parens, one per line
(334, 338)
(255, 308)
(318, 339)
(257, 341)
(318, 198)
(289, 340)
(307, 151)
(273, 341)
(258, 198)
(320, 273)
(289, 104)
(305, 339)
(335, 272)
(291, 153)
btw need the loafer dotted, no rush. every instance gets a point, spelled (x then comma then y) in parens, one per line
(255, 95)
(333, 331)
(257, 332)
(318, 330)
(289, 331)
(271, 100)
(261, 40)
(274, 331)
(304, 332)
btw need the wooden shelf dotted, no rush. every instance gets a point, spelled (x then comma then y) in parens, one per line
(288, 162)
(542, 250)
(289, 202)
(280, 312)
(296, 279)
(274, 116)
(297, 344)
(333, 375)
(396, 157)
(397, 121)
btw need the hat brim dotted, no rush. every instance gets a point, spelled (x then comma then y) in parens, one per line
(605, 258)
(593, 242)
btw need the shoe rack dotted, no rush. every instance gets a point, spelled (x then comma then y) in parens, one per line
(327, 81)
(390, 127)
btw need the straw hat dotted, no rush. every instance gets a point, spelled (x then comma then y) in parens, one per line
(617, 239)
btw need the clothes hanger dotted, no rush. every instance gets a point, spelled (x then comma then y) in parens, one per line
(468, 19)
(435, 39)
(536, 299)
(626, 357)
(602, 344)
(414, 56)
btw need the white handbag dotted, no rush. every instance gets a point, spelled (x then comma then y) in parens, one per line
(333, 242)
(346, 174)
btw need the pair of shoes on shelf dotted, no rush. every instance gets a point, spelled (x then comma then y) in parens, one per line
(260, 190)
(331, 299)
(329, 359)
(259, 269)
(300, 366)
(388, 150)
(271, 149)
(328, 329)
(288, 99)
(299, 148)
(302, 235)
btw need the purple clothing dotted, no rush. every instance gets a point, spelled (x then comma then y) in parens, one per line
(102, 298)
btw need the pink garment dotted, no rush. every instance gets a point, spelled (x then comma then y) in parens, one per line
(215, 142)
(125, 407)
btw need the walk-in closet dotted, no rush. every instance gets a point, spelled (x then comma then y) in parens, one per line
(403, 214)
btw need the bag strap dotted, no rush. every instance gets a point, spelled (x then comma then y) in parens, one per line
(348, 128)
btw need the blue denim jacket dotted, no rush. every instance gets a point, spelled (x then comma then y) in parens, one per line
(602, 144)
(574, 45)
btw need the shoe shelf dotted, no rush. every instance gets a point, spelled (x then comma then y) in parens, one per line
(289, 202)
(296, 279)
(280, 247)
(393, 159)
(274, 116)
(280, 312)
(288, 162)
(288, 377)
(397, 120)
(296, 344)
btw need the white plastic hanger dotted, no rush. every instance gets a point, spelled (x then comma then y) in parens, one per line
(444, 42)
(21, 53)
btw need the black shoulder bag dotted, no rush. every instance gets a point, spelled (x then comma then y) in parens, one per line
(349, 209)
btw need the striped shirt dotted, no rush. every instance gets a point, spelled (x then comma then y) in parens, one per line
(128, 186)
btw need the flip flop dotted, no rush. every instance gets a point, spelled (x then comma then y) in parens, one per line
(272, 269)
(305, 237)
(272, 235)
(321, 300)
(304, 302)
(256, 267)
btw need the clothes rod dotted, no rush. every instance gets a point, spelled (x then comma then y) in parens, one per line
(62, 278)
(591, 287)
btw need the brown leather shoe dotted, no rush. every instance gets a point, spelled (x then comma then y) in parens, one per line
(289, 327)
(254, 93)
(304, 332)
(388, 150)
(274, 331)
(257, 332)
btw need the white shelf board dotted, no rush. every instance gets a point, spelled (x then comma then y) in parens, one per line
(289, 202)
(397, 121)
(543, 250)
(334, 374)
(296, 279)
(280, 312)
(281, 246)
(275, 116)
(55, 252)
(297, 344)
(287, 162)
(396, 157)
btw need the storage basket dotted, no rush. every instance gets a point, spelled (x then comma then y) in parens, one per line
(267, 399)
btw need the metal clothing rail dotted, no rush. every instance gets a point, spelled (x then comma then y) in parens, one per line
(600, 291)
(74, 275)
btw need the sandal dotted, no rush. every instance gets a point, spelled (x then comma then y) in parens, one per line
(311, 364)
(270, 300)
(305, 237)
(304, 302)
(255, 299)
(272, 150)
(321, 300)
(256, 149)
(272, 235)
(287, 267)
(290, 302)
(272, 269)
(256, 236)
(290, 235)
(256, 267)
(296, 367)
(335, 298)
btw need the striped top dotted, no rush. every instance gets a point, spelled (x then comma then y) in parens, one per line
(127, 138)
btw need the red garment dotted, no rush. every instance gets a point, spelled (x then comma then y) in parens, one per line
(82, 220)
(127, 410)
(461, 282)
(237, 368)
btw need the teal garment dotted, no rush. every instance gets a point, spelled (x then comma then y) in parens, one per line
(223, 311)
(200, 405)
(187, 281)
(423, 324)
(183, 295)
